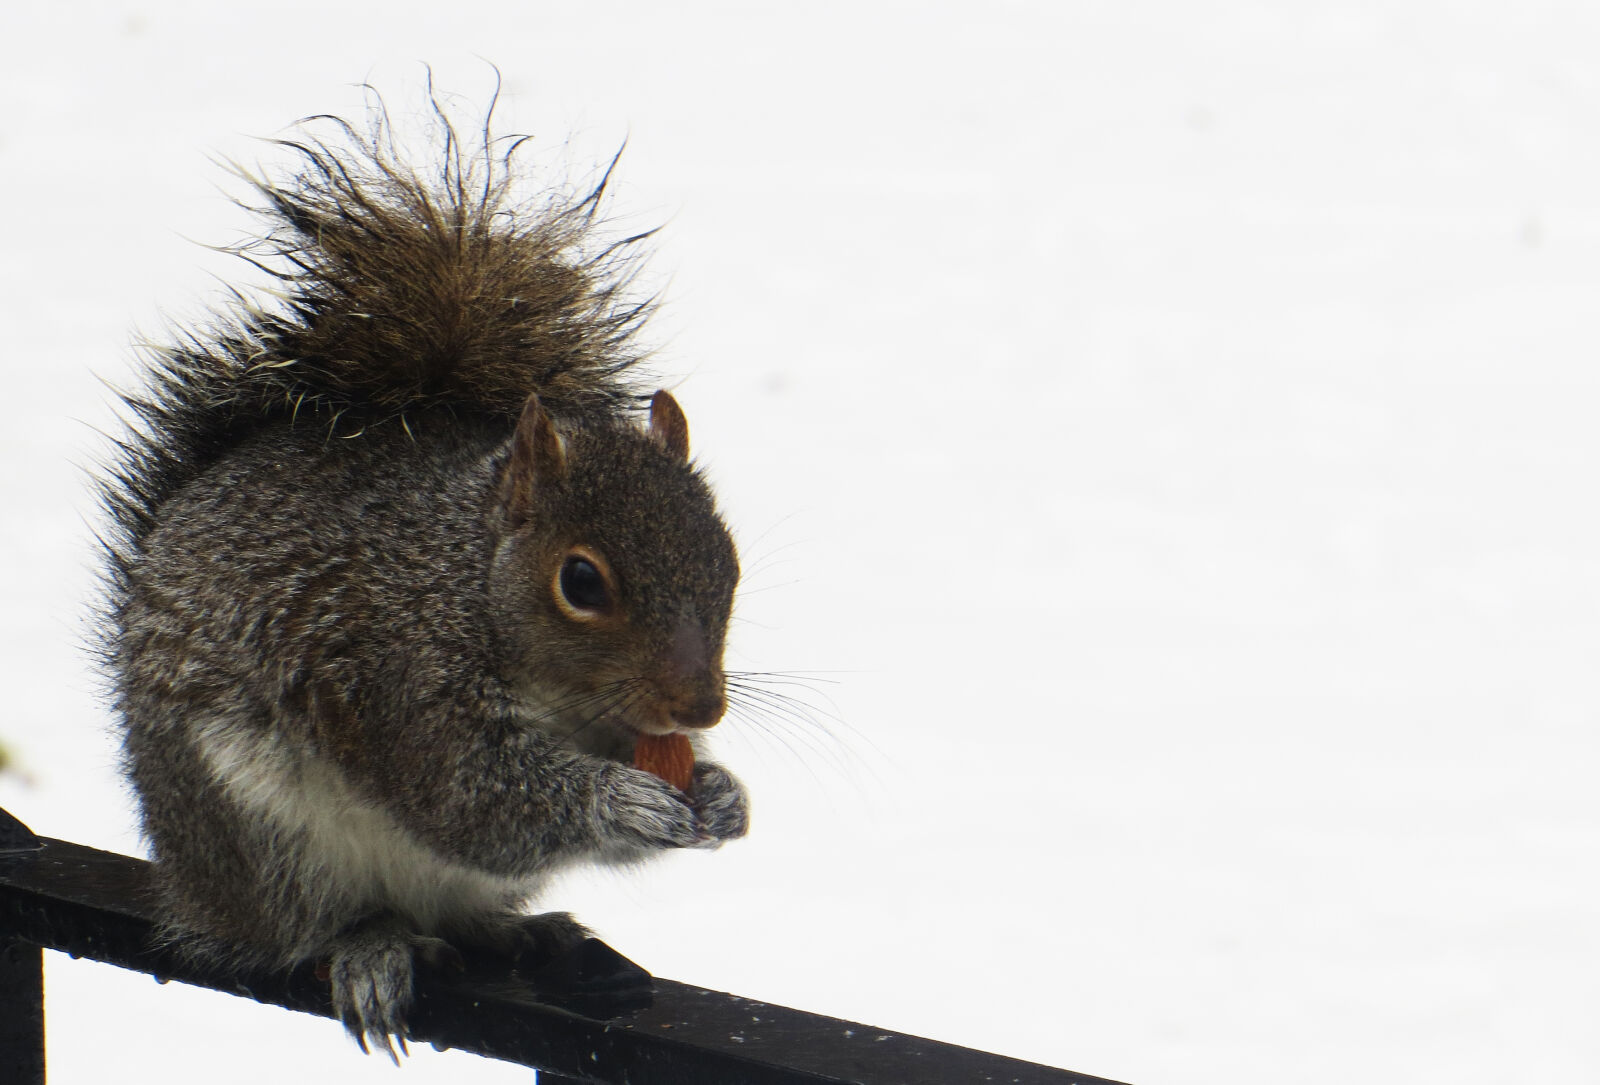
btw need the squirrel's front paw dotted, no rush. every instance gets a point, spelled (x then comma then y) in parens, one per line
(721, 803)
(640, 810)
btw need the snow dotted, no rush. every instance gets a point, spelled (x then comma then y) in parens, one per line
(1164, 432)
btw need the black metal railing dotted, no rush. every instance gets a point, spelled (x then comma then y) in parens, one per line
(66, 897)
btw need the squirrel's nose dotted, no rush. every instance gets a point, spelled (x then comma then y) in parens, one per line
(691, 680)
(700, 709)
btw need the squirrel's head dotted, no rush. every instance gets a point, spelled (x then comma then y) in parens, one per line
(612, 578)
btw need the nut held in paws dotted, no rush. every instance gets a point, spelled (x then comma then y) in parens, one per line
(670, 757)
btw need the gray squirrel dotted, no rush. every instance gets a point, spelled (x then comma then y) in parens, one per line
(398, 575)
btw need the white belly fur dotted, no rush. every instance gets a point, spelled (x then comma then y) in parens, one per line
(356, 858)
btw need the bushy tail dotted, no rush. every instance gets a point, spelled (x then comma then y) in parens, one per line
(404, 288)
(397, 286)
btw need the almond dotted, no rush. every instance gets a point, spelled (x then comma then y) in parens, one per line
(670, 757)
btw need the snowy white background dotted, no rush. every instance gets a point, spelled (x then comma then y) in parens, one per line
(1169, 428)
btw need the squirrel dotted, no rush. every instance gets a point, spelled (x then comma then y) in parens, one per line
(402, 563)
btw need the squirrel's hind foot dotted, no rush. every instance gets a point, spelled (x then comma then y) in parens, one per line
(589, 972)
(557, 955)
(370, 972)
(533, 941)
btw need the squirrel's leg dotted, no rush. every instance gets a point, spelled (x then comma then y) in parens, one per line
(370, 969)
(511, 801)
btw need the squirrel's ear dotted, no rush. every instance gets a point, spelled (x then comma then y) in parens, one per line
(668, 425)
(537, 454)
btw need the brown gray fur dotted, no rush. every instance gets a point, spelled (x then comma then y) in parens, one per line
(400, 569)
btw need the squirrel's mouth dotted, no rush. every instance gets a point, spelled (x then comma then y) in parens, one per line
(653, 729)
(652, 717)
(615, 733)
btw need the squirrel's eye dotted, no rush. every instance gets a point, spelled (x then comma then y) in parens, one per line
(584, 586)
